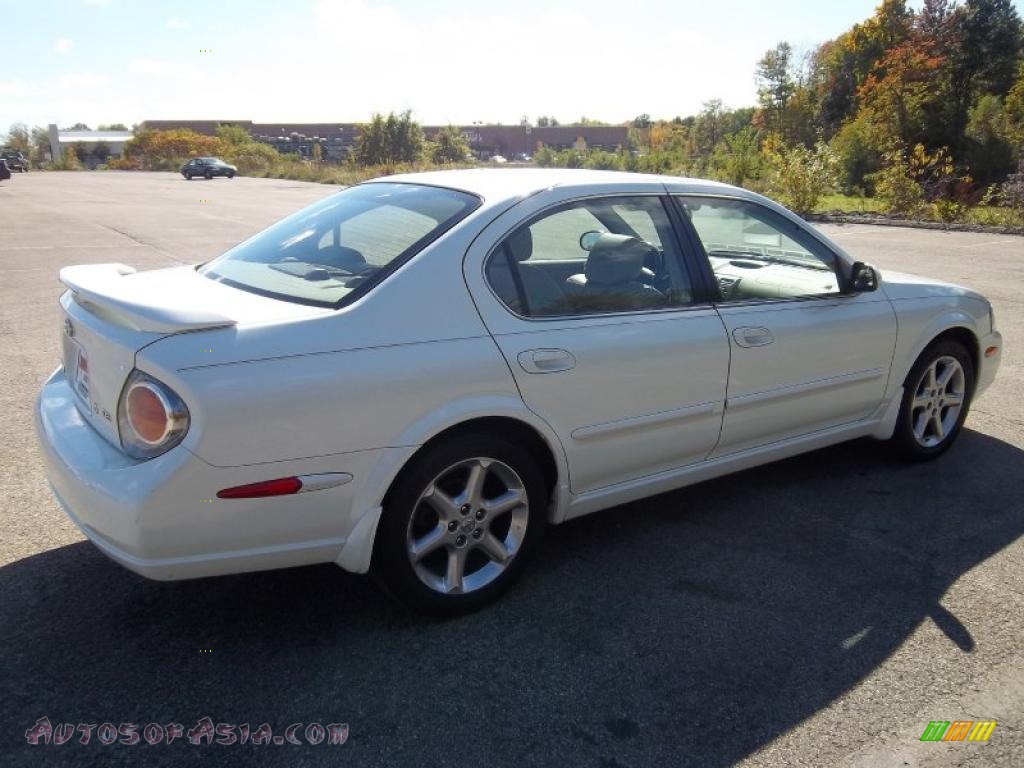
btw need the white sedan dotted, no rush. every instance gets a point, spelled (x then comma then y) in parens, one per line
(417, 374)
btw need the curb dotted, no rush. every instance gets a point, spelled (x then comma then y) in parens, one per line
(883, 221)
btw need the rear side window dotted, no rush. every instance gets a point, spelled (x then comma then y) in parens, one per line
(595, 256)
(340, 247)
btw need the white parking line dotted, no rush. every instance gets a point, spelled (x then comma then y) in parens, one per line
(75, 247)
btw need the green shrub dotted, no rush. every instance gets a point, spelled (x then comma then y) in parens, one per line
(448, 146)
(68, 161)
(799, 177)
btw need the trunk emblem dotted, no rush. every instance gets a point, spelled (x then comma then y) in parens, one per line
(69, 327)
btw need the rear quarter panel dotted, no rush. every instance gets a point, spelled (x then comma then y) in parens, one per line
(356, 379)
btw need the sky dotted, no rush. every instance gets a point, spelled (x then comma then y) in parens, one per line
(449, 61)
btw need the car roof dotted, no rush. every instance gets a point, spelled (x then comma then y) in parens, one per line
(503, 186)
(497, 184)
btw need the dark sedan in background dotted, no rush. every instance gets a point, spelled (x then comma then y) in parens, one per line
(15, 160)
(207, 167)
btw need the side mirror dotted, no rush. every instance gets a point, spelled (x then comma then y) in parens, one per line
(589, 239)
(863, 278)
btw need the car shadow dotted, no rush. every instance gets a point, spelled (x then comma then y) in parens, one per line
(688, 629)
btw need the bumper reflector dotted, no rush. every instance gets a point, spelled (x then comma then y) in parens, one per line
(991, 351)
(286, 486)
(282, 486)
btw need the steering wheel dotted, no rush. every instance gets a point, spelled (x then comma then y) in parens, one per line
(654, 273)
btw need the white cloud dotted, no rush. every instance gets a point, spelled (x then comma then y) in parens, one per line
(82, 80)
(488, 62)
(176, 23)
(13, 87)
(164, 69)
(63, 45)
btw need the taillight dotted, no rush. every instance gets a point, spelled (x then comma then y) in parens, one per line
(151, 417)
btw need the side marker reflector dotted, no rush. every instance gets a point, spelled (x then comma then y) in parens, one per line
(286, 486)
(282, 486)
(991, 351)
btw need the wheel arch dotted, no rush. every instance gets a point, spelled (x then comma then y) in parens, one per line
(967, 338)
(519, 431)
(958, 325)
(960, 333)
(525, 427)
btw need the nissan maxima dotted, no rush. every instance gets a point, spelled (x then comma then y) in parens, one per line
(416, 375)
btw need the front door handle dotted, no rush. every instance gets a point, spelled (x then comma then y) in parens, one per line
(546, 360)
(748, 336)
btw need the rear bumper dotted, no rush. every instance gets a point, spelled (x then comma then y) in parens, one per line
(162, 519)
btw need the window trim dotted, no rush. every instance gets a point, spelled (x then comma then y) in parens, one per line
(684, 262)
(708, 274)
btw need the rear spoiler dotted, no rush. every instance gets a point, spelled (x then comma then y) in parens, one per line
(102, 289)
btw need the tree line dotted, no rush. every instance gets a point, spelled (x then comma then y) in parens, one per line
(923, 109)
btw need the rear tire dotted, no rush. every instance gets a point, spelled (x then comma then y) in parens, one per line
(208, 175)
(936, 398)
(460, 524)
(188, 176)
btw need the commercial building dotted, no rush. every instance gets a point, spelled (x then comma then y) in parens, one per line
(512, 140)
(336, 140)
(92, 147)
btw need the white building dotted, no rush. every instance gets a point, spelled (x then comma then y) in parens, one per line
(89, 140)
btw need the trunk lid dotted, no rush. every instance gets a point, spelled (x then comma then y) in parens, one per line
(110, 312)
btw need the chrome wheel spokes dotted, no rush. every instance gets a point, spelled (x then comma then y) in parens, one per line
(937, 401)
(467, 526)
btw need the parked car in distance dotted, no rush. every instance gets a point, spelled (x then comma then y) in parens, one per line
(5, 172)
(207, 167)
(15, 160)
(417, 374)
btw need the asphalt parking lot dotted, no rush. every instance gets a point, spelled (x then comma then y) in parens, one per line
(815, 612)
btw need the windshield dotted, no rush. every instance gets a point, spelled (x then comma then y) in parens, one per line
(343, 244)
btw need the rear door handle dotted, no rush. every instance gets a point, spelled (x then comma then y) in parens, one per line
(546, 360)
(749, 336)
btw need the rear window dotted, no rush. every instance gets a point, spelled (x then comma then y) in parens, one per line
(337, 249)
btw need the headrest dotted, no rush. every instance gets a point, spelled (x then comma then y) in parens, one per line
(520, 244)
(616, 259)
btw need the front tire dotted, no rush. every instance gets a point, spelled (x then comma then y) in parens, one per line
(188, 176)
(936, 398)
(208, 175)
(459, 524)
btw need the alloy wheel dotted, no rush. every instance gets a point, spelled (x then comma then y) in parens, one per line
(938, 400)
(467, 526)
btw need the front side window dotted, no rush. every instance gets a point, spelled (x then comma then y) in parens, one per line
(613, 254)
(756, 253)
(324, 252)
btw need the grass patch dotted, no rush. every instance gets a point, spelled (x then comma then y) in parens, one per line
(848, 204)
(985, 215)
